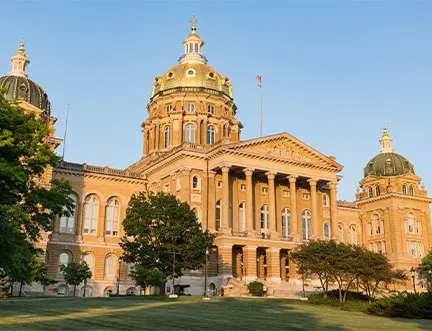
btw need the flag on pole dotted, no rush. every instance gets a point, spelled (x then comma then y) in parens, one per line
(258, 78)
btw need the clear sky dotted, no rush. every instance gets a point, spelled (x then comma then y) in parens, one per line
(333, 71)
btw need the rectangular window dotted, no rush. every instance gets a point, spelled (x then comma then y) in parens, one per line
(305, 196)
(286, 193)
(412, 245)
(418, 227)
(166, 188)
(242, 187)
(264, 190)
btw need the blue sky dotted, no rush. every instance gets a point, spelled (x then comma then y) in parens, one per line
(333, 71)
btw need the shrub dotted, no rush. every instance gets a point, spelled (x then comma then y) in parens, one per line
(256, 288)
(348, 305)
(351, 295)
(408, 305)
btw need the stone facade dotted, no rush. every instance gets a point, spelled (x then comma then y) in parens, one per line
(262, 197)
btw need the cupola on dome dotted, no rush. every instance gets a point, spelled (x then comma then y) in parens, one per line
(19, 87)
(387, 162)
(192, 73)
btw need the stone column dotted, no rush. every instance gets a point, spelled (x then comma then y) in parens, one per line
(272, 204)
(211, 201)
(249, 202)
(225, 260)
(293, 198)
(185, 185)
(273, 264)
(100, 230)
(314, 207)
(333, 210)
(80, 222)
(250, 263)
(225, 200)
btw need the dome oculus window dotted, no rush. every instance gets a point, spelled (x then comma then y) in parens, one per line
(22, 88)
(170, 74)
(190, 73)
(211, 75)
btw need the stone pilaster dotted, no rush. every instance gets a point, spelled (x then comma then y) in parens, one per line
(225, 201)
(225, 260)
(250, 263)
(273, 264)
(272, 204)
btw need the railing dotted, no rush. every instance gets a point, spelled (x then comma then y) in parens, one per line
(97, 169)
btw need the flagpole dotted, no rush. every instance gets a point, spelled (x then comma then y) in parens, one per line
(65, 132)
(261, 121)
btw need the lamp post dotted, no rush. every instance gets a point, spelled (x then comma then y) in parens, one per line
(205, 274)
(118, 279)
(413, 278)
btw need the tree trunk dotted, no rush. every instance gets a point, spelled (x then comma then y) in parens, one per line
(21, 285)
(74, 289)
(12, 288)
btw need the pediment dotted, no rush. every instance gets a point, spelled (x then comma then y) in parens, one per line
(285, 146)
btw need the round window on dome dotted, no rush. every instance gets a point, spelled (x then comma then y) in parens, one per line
(211, 75)
(190, 73)
(23, 88)
(170, 74)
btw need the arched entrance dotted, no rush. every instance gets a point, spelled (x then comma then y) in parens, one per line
(109, 291)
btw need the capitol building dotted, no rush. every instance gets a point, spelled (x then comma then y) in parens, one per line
(262, 197)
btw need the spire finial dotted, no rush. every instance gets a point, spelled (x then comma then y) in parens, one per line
(19, 62)
(386, 141)
(193, 22)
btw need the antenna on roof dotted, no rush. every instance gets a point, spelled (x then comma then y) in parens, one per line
(65, 132)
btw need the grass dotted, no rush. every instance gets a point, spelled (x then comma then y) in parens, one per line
(191, 313)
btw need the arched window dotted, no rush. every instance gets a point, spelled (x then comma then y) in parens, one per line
(112, 216)
(411, 190)
(67, 223)
(340, 233)
(264, 217)
(379, 248)
(325, 200)
(210, 135)
(64, 258)
(211, 109)
(326, 231)
(218, 214)
(88, 259)
(306, 224)
(169, 108)
(370, 192)
(190, 133)
(110, 264)
(242, 217)
(190, 48)
(196, 183)
(196, 48)
(377, 191)
(91, 210)
(197, 213)
(286, 222)
(377, 226)
(167, 137)
(190, 108)
(352, 235)
(410, 223)
(404, 189)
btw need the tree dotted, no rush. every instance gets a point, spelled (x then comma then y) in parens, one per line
(375, 272)
(27, 206)
(41, 276)
(74, 273)
(314, 256)
(158, 224)
(145, 277)
(426, 267)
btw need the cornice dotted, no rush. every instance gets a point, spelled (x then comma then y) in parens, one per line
(394, 195)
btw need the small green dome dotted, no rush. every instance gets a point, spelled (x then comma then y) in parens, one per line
(388, 164)
(22, 88)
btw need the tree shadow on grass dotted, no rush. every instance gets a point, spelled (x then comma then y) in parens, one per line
(136, 313)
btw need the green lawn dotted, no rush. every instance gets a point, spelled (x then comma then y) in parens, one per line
(152, 313)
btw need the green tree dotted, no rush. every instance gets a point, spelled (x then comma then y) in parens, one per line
(41, 276)
(375, 272)
(145, 277)
(157, 225)
(426, 267)
(74, 273)
(27, 207)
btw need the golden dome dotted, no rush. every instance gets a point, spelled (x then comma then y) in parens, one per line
(192, 74)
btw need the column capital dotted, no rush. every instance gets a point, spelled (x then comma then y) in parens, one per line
(225, 168)
(273, 249)
(313, 181)
(292, 178)
(271, 174)
(250, 247)
(248, 171)
(332, 184)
